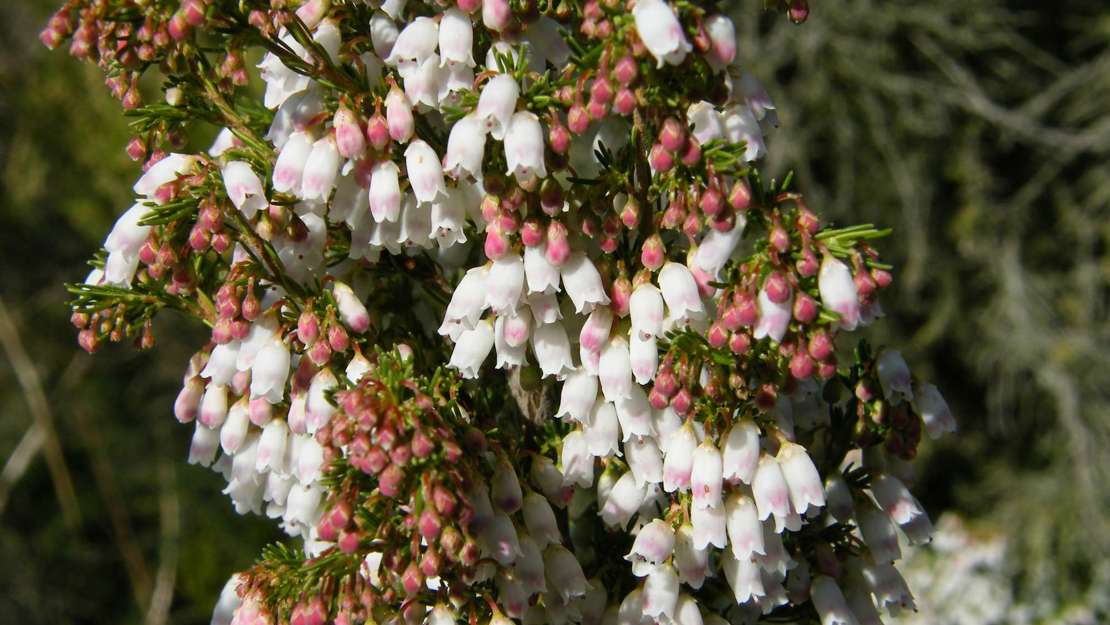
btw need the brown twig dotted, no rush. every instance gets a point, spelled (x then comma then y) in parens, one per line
(29, 381)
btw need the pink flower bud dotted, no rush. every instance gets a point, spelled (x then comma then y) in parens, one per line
(739, 343)
(660, 159)
(625, 102)
(597, 109)
(337, 338)
(805, 308)
(779, 238)
(308, 327)
(807, 265)
(469, 6)
(187, 404)
(601, 90)
(178, 26)
(496, 14)
(653, 254)
(621, 295)
(532, 232)
(558, 244)
(578, 119)
(827, 369)
(497, 243)
(412, 579)
(777, 287)
(558, 137)
(691, 156)
(398, 112)
(349, 138)
(741, 195)
(717, 335)
(801, 366)
(193, 10)
(626, 70)
(820, 345)
(865, 284)
(377, 132)
(672, 135)
(711, 202)
(391, 480)
(682, 401)
(429, 525)
(882, 278)
(798, 11)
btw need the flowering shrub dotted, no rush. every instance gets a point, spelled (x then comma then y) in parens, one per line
(676, 437)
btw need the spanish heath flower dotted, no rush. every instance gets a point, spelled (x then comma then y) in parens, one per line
(661, 31)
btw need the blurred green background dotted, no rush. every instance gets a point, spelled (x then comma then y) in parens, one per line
(977, 129)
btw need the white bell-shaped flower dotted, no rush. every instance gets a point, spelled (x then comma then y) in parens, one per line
(623, 501)
(517, 327)
(894, 375)
(318, 410)
(772, 495)
(528, 569)
(468, 301)
(634, 414)
(679, 461)
(552, 349)
(802, 478)
(680, 292)
(643, 356)
(506, 282)
(722, 40)
(706, 476)
(595, 331)
(320, 170)
(709, 526)
(498, 539)
(576, 460)
(244, 189)
(415, 43)
(564, 572)
(661, 592)
(774, 318)
(471, 349)
(879, 534)
(290, 164)
(524, 144)
(385, 191)
(424, 171)
(505, 490)
(234, 430)
(646, 309)
(466, 146)
(539, 518)
(743, 576)
(577, 397)
(508, 354)
(456, 38)
(271, 447)
(745, 532)
(838, 291)
(270, 370)
(603, 430)
(829, 601)
(449, 218)
(543, 277)
(644, 459)
(717, 247)
(398, 115)
(615, 370)
(497, 103)
(654, 543)
(934, 410)
(692, 563)
(166, 170)
(740, 454)
(661, 32)
(423, 81)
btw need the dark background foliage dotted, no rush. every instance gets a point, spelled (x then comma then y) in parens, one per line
(977, 129)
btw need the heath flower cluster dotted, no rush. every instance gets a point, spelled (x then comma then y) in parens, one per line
(505, 323)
